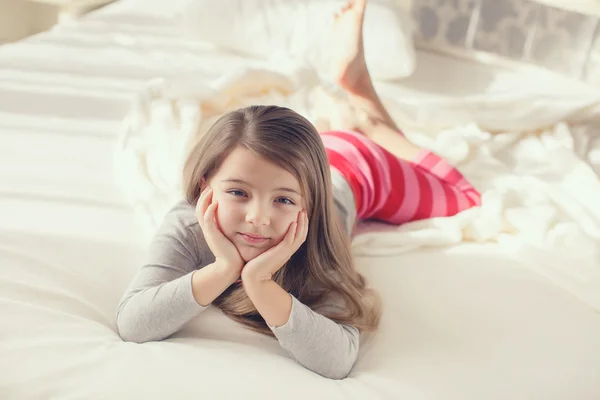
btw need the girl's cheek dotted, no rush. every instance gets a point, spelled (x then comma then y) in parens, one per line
(225, 202)
(286, 221)
(224, 211)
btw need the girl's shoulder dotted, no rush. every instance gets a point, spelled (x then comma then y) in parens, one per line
(182, 215)
(181, 224)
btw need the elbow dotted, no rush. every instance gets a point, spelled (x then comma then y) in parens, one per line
(130, 335)
(340, 367)
(130, 329)
(127, 331)
(339, 372)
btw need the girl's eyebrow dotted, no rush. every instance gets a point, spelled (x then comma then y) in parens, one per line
(243, 182)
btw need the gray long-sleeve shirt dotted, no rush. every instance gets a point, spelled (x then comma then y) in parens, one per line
(159, 301)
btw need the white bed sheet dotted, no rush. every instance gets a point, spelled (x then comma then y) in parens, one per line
(467, 322)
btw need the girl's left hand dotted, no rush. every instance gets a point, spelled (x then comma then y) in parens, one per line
(265, 265)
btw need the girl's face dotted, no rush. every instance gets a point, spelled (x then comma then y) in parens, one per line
(258, 200)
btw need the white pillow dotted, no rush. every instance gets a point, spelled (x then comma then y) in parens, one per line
(300, 29)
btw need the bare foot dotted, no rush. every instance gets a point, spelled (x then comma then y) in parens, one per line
(368, 114)
(348, 60)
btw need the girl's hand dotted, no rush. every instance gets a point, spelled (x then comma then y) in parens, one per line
(265, 265)
(223, 249)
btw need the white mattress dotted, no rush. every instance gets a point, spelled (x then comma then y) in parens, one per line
(464, 322)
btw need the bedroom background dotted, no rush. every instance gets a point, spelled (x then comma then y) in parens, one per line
(495, 303)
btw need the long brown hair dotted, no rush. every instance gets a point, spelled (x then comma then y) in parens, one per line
(323, 268)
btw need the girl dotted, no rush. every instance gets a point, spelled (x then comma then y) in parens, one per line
(263, 232)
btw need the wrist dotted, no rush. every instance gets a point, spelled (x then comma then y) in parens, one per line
(255, 277)
(227, 269)
(209, 282)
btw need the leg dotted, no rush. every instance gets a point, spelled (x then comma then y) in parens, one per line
(351, 72)
(394, 190)
(393, 179)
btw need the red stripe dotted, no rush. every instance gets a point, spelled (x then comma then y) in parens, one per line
(429, 161)
(398, 188)
(395, 197)
(454, 184)
(474, 196)
(454, 176)
(426, 200)
(373, 173)
(451, 200)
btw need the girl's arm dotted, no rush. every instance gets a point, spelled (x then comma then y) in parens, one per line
(169, 290)
(315, 341)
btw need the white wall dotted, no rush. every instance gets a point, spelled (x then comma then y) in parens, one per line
(20, 18)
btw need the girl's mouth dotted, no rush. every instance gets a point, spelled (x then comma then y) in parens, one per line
(253, 239)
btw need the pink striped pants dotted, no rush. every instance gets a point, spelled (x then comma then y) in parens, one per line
(393, 190)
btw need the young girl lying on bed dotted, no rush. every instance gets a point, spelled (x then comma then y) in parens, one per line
(263, 232)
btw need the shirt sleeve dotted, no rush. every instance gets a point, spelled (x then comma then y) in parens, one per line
(159, 301)
(318, 343)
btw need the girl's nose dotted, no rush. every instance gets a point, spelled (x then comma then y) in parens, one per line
(257, 215)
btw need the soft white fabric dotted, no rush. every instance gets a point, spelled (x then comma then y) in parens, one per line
(300, 29)
(496, 96)
(466, 322)
(458, 325)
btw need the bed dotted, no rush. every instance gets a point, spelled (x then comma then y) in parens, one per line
(479, 306)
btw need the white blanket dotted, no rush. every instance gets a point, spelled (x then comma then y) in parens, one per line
(538, 195)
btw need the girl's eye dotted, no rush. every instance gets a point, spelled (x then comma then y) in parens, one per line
(285, 200)
(236, 193)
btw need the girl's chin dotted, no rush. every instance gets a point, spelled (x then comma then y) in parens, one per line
(249, 253)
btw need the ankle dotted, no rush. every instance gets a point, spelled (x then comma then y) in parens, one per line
(370, 111)
(367, 102)
(362, 86)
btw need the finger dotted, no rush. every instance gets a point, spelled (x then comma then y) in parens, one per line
(306, 228)
(302, 229)
(287, 239)
(212, 224)
(208, 218)
(301, 218)
(209, 199)
(203, 201)
(297, 241)
(291, 233)
(204, 191)
(298, 226)
(200, 208)
(211, 211)
(215, 218)
(208, 195)
(284, 250)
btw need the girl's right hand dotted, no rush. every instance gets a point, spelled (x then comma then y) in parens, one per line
(223, 249)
